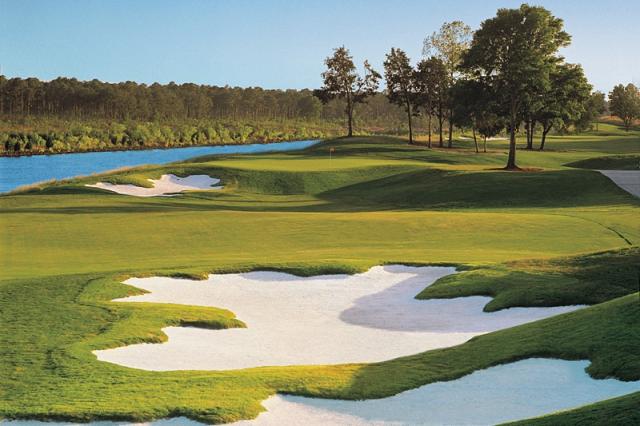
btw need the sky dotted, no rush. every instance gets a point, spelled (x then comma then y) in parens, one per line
(275, 43)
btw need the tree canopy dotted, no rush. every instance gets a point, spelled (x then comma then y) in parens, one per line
(624, 102)
(401, 84)
(514, 53)
(341, 80)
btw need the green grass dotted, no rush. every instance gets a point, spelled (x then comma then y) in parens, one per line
(528, 239)
(610, 162)
(586, 279)
(617, 411)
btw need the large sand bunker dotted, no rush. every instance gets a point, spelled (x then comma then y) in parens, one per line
(165, 186)
(523, 389)
(629, 180)
(327, 319)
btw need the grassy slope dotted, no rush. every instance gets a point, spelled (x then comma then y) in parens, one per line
(610, 162)
(298, 212)
(617, 411)
(586, 279)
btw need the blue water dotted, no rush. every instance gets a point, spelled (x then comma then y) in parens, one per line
(18, 171)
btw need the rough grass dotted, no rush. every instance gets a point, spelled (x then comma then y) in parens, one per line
(64, 248)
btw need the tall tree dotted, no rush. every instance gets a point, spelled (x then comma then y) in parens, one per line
(514, 53)
(342, 81)
(624, 102)
(474, 107)
(401, 87)
(449, 45)
(431, 87)
(595, 106)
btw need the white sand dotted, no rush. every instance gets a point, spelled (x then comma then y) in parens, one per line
(523, 389)
(327, 319)
(165, 186)
(629, 180)
(480, 138)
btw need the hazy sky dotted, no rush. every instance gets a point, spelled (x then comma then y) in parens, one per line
(274, 44)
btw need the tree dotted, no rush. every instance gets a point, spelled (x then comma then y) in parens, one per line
(624, 102)
(401, 87)
(595, 106)
(565, 100)
(474, 107)
(514, 53)
(342, 81)
(449, 45)
(431, 87)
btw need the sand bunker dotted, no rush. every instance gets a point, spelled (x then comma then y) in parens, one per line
(480, 138)
(166, 186)
(327, 319)
(523, 389)
(629, 180)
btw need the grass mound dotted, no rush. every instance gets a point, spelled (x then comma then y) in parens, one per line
(609, 162)
(589, 279)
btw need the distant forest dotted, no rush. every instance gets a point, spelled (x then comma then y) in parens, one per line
(67, 115)
(74, 99)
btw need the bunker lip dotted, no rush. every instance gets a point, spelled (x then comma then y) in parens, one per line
(326, 319)
(167, 186)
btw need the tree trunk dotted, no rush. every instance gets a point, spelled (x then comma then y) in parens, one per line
(475, 139)
(532, 129)
(410, 128)
(528, 126)
(545, 130)
(450, 129)
(429, 130)
(440, 121)
(350, 115)
(511, 162)
(485, 144)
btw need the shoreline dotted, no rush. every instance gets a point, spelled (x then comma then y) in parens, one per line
(144, 148)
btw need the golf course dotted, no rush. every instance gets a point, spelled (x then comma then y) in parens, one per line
(557, 233)
(319, 213)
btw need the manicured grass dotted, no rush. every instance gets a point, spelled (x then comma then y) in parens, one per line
(610, 162)
(525, 237)
(616, 411)
(587, 279)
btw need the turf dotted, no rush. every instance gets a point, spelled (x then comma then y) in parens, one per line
(617, 411)
(530, 238)
(589, 279)
(610, 162)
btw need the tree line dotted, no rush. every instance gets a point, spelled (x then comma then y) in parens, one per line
(74, 99)
(68, 115)
(506, 76)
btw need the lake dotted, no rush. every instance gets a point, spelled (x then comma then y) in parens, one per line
(19, 171)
